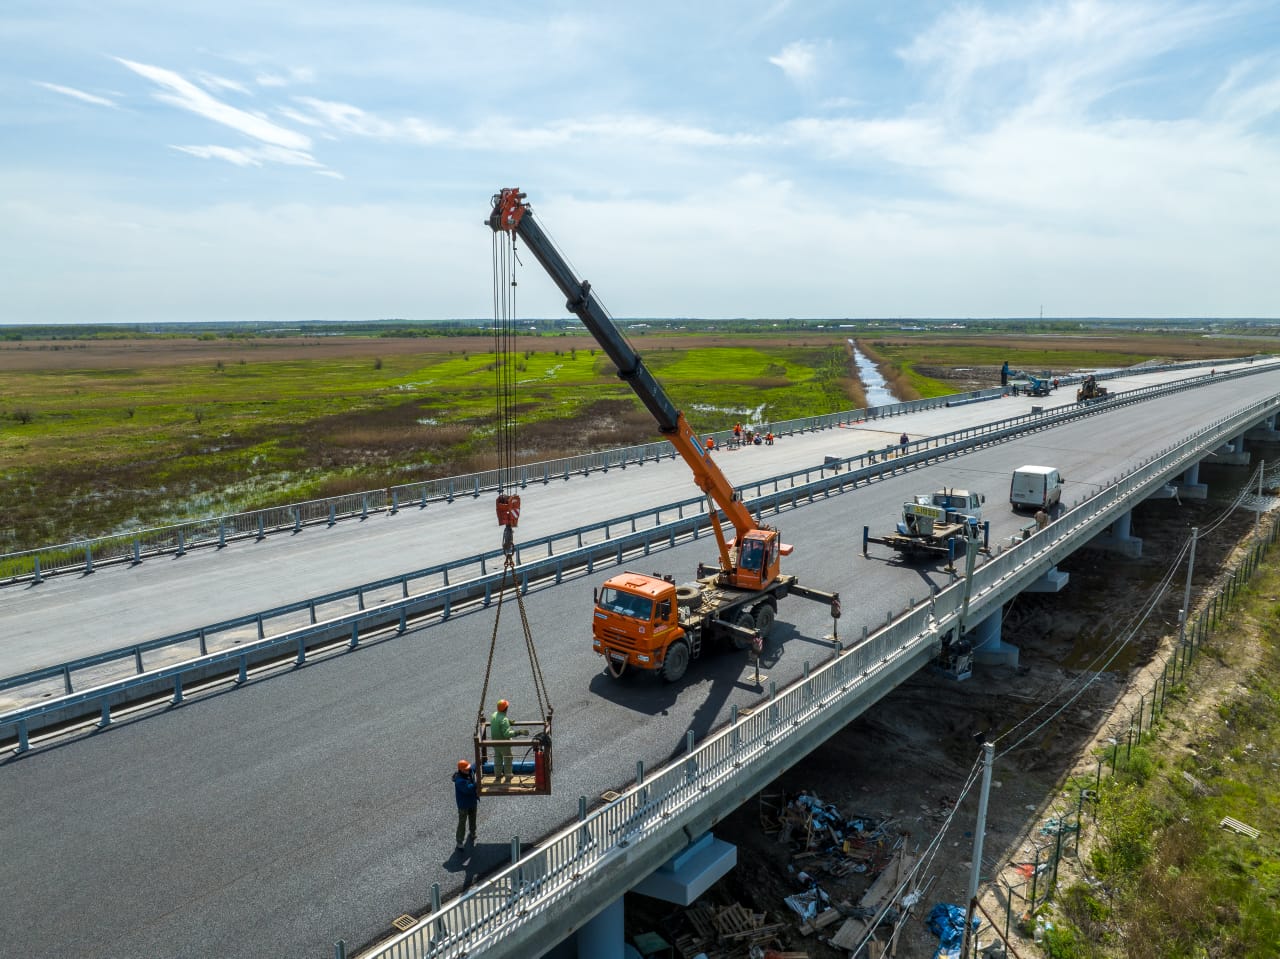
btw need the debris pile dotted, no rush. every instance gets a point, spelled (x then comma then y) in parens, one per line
(830, 851)
(730, 932)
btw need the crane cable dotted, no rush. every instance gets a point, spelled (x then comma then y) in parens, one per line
(545, 708)
(504, 343)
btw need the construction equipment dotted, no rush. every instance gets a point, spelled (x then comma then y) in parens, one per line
(1036, 386)
(933, 524)
(645, 621)
(1090, 391)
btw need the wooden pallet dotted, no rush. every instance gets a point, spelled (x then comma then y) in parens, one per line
(1237, 826)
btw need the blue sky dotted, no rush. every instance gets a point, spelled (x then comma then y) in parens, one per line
(312, 160)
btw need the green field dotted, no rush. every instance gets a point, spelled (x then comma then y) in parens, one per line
(100, 444)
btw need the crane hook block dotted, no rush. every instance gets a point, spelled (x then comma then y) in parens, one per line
(508, 509)
(508, 208)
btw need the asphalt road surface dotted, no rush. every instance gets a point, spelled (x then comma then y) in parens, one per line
(315, 804)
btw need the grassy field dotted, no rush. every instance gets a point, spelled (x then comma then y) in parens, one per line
(101, 436)
(1167, 880)
(913, 363)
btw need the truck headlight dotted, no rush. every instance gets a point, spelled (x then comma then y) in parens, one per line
(643, 659)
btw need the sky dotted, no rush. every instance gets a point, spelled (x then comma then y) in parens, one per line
(309, 160)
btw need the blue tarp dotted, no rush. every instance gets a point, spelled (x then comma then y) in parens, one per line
(947, 923)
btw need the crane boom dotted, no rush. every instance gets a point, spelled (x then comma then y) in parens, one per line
(510, 214)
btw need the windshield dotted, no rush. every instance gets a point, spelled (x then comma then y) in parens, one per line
(627, 604)
(752, 554)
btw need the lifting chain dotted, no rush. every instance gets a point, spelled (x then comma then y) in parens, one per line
(539, 684)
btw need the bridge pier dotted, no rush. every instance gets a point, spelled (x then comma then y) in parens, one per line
(1118, 540)
(1054, 580)
(691, 872)
(603, 935)
(1189, 485)
(988, 648)
(1265, 431)
(1232, 453)
(680, 880)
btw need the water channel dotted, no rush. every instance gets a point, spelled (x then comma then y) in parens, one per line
(873, 383)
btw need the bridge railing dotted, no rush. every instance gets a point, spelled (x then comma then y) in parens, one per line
(176, 539)
(330, 617)
(482, 919)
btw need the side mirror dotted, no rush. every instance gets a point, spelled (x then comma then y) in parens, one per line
(595, 596)
(982, 497)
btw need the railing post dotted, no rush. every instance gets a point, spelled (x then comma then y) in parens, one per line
(36, 577)
(88, 559)
(222, 534)
(137, 551)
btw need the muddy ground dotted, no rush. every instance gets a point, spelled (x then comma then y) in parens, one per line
(905, 761)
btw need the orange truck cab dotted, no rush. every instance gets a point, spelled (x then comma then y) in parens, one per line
(636, 621)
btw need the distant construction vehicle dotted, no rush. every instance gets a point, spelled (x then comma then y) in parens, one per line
(933, 524)
(647, 622)
(1090, 391)
(1038, 386)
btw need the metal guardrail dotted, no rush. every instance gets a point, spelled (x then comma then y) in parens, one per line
(176, 539)
(683, 798)
(54, 688)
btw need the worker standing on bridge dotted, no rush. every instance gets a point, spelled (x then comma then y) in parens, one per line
(464, 791)
(500, 728)
(1042, 519)
(903, 440)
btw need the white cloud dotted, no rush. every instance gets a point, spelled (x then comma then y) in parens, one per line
(346, 118)
(76, 94)
(251, 156)
(212, 81)
(797, 60)
(185, 95)
(1058, 58)
(291, 76)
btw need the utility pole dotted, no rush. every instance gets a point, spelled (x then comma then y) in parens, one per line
(1186, 592)
(988, 757)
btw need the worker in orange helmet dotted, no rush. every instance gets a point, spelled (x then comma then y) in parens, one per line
(500, 728)
(468, 797)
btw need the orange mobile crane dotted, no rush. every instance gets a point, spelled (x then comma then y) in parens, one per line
(643, 621)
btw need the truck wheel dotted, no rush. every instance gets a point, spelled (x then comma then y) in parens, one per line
(764, 620)
(676, 661)
(746, 621)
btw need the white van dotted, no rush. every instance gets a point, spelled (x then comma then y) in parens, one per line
(1035, 487)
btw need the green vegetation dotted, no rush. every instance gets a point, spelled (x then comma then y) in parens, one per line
(1168, 882)
(94, 443)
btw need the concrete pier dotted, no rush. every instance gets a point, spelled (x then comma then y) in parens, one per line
(988, 647)
(1189, 485)
(1118, 539)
